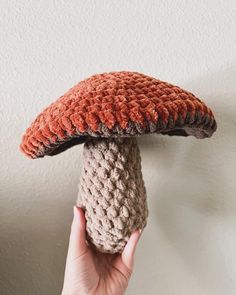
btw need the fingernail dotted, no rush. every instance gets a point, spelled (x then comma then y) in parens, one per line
(75, 210)
(140, 231)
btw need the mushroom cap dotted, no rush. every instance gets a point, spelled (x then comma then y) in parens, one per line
(117, 104)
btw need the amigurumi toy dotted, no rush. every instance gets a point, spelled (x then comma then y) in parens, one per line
(107, 112)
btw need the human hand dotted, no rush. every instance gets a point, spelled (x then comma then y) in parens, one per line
(89, 272)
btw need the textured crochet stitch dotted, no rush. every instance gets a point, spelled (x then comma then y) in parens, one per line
(106, 111)
(118, 103)
(112, 192)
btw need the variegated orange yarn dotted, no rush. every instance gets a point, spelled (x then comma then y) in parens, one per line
(116, 104)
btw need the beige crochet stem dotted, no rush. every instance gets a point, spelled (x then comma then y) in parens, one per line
(112, 192)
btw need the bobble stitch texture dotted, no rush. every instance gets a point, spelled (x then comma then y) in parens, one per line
(114, 196)
(116, 104)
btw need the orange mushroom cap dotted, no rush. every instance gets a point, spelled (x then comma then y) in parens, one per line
(116, 104)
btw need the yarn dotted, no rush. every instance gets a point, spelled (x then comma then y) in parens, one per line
(112, 192)
(113, 105)
(107, 111)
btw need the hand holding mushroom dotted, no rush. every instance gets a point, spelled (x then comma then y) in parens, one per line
(107, 112)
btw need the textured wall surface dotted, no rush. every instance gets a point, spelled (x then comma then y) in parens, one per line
(46, 47)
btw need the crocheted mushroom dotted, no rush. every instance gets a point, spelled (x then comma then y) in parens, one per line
(107, 112)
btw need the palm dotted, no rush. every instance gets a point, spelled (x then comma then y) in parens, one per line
(93, 273)
(110, 274)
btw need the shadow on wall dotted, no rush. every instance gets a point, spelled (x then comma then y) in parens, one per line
(33, 248)
(35, 224)
(195, 203)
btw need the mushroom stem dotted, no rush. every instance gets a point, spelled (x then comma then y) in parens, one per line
(112, 192)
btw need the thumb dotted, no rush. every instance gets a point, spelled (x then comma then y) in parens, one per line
(124, 262)
(77, 243)
(129, 250)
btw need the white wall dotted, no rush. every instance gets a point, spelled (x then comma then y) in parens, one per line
(189, 246)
